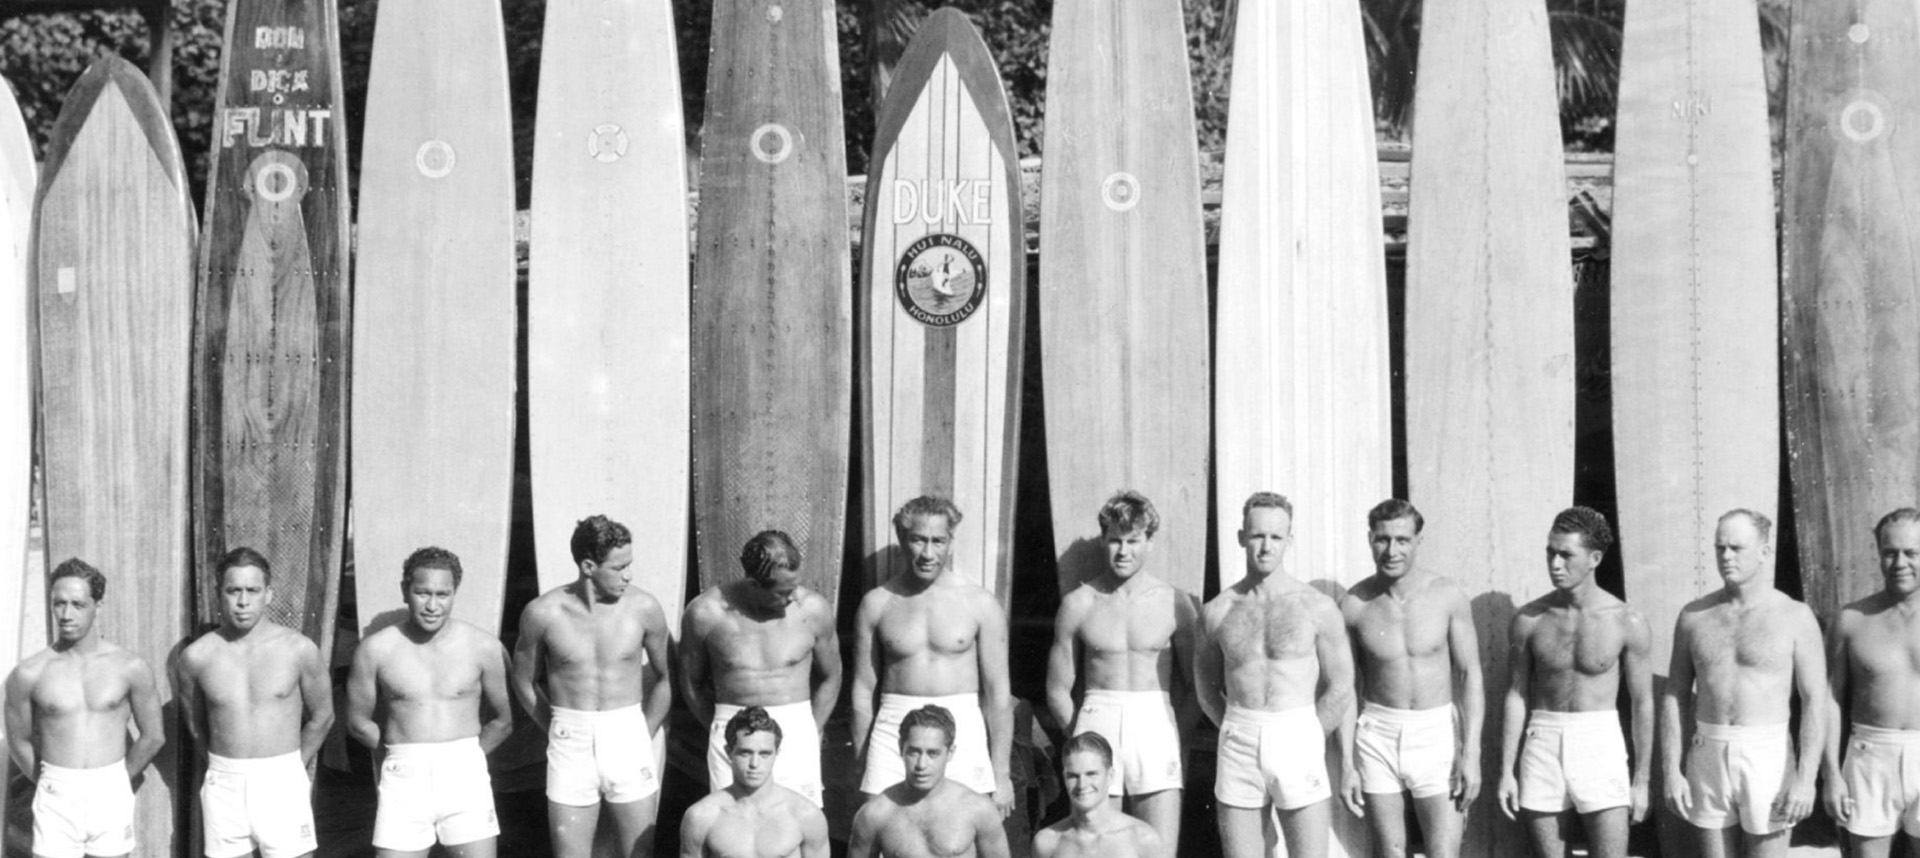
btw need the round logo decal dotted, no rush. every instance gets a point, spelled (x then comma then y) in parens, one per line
(940, 280)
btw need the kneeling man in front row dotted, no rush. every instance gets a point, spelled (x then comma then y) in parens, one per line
(926, 814)
(753, 817)
(1094, 827)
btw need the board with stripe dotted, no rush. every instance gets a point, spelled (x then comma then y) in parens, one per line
(1852, 188)
(1123, 291)
(773, 301)
(435, 319)
(20, 633)
(944, 292)
(113, 272)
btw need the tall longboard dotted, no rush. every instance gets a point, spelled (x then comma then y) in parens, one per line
(435, 321)
(1123, 291)
(22, 623)
(772, 311)
(113, 273)
(270, 409)
(944, 300)
(1852, 210)
(1489, 340)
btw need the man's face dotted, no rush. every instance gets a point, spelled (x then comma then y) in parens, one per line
(244, 596)
(608, 579)
(1087, 777)
(1264, 534)
(1569, 562)
(1127, 552)
(752, 756)
(73, 609)
(1900, 557)
(1738, 551)
(429, 595)
(925, 751)
(1394, 543)
(928, 541)
(777, 590)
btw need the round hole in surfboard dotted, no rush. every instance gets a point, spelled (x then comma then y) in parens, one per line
(775, 13)
(435, 159)
(775, 133)
(1864, 118)
(276, 176)
(607, 143)
(1121, 191)
(1858, 34)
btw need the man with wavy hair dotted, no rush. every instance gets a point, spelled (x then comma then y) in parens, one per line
(926, 813)
(1094, 828)
(753, 816)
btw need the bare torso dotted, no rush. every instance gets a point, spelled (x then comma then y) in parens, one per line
(1126, 636)
(1880, 638)
(431, 690)
(1118, 836)
(249, 689)
(1575, 654)
(1267, 637)
(946, 823)
(593, 658)
(766, 825)
(757, 658)
(928, 641)
(1405, 660)
(1742, 656)
(82, 704)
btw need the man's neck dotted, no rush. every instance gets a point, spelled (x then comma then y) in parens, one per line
(1748, 592)
(1257, 579)
(234, 634)
(419, 635)
(87, 644)
(914, 585)
(1095, 819)
(1405, 586)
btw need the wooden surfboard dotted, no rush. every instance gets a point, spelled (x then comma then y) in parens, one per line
(19, 631)
(271, 372)
(1852, 203)
(1123, 291)
(113, 275)
(1489, 340)
(772, 314)
(944, 262)
(433, 358)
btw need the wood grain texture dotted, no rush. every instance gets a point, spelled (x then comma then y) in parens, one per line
(942, 397)
(1489, 339)
(433, 381)
(1852, 190)
(113, 275)
(18, 176)
(1123, 292)
(271, 375)
(773, 309)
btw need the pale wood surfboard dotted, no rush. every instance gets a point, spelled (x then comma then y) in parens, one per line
(435, 321)
(1852, 204)
(113, 273)
(944, 265)
(1123, 290)
(271, 372)
(22, 624)
(1696, 425)
(773, 308)
(1489, 340)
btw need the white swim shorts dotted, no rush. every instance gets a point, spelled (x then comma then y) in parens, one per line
(1277, 757)
(972, 763)
(80, 812)
(263, 803)
(1882, 772)
(434, 789)
(797, 767)
(1574, 760)
(1146, 741)
(1735, 773)
(595, 754)
(1405, 750)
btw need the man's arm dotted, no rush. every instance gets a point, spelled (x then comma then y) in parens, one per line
(1514, 712)
(860, 841)
(20, 723)
(866, 675)
(827, 669)
(362, 694)
(1335, 705)
(1638, 654)
(1810, 682)
(1186, 637)
(996, 699)
(813, 831)
(1469, 696)
(1063, 664)
(1839, 799)
(186, 693)
(529, 653)
(145, 694)
(659, 646)
(693, 830)
(989, 835)
(1676, 717)
(1209, 673)
(694, 667)
(497, 701)
(316, 700)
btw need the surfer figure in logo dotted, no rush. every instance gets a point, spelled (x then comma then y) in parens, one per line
(925, 813)
(943, 278)
(1271, 642)
(1873, 677)
(434, 677)
(752, 816)
(1739, 656)
(256, 696)
(768, 641)
(591, 668)
(1133, 634)
(1570, 649)
(1094, 828)
(67, 712)
(1418, 658)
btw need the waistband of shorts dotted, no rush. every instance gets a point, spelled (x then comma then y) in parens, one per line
(254, 765)
(779, 712)
(1740, 732)
(949, 702)
(1116, 697)
(435, 750)
(1265, 718)
(116, 770)
(1886, 735)
(1596, 718)
(621, 717)
(1408, 717)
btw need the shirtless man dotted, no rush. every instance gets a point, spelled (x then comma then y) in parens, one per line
(1272, 643)
(753, 817)
(1873, 668)
(1739, 656)
(1567, 651)
(926, 815)
(1134, 634)
(926, 636)
(765, 640)
(1418, 659)
(432, 676)
(257, 698)
(68, 708)
(1094, 828)
(577, 670)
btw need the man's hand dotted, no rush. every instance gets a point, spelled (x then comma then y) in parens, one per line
(1509, 795)
(1795, 801)
(1839, 800)
(1003, 795)
(1465, 783)
(1351, 792)
(1679, 796)
(1642, 796)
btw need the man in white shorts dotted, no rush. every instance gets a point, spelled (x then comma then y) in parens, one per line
(257, 698)
(1570, 650)
(1739, 656)
(926, 813)
(435, 678)
(1419, 663)
(754, 817)
(68, 708)
(1271, 642)
(927, 636)
(1132, 633)
(591, 667)
(1094, 828)
(764, 640)
(1873, 678)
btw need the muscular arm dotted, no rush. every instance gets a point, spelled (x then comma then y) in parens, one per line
(693, 830)
(989, 835)
(813, 834)
(1639, 669)
(20, 724)
(1837, 794)
(1676, 709)
(694, 667)
(659, 646)
(996, 699)
(1810, 681)
(145, 694)
(860, 841)
(362, 693)
(529, 652)
(495, 699)
(1514, 712)
(186, 692)
(1469, 696)
(827, 669)
(1336, 707)
(316, 701)
(1209, 676)
(1063, 664)
(1186, 635)
(866, 676)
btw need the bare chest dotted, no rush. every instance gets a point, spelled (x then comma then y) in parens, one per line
(1573, 641)
(1390, 630)
(1280, 628)
(1750, 640)
(1079, 844)
(422, 675)
(585, 640)
(911, 627)
(243, 679)
(745, 643)
(909, 833)
(1120, 624)
(750, 834)
(1884, 646)
(80, 686)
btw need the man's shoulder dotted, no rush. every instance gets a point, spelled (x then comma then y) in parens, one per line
(473, 638)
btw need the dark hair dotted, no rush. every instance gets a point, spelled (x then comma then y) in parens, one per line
(1590, 524)
(766, 550)
(1091, 742)
(431, 557)
(1905, 513)
(74, 567)
(1266, 500)
(753, 719)
(1761, 524)
(923, 506)
(240, 558)
(931, 715)
(595, 536)
(1128, 511)
(1394, 509)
